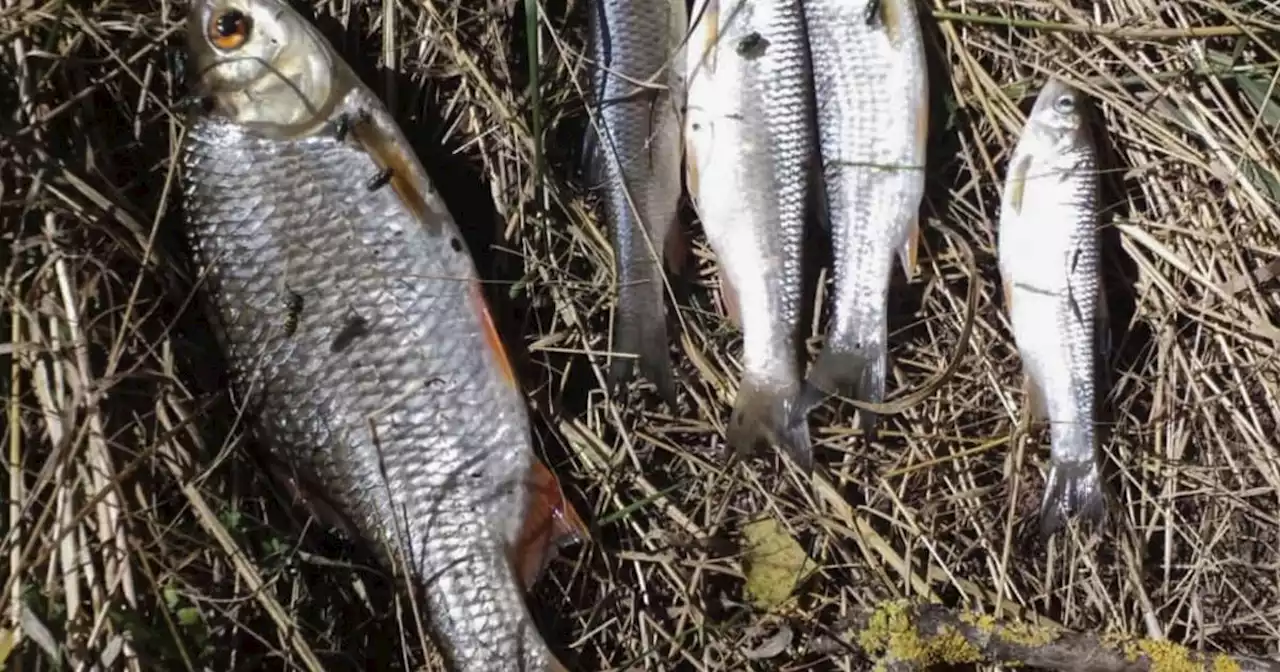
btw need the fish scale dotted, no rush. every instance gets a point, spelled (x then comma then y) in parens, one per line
(871, 86)
(1049, 265)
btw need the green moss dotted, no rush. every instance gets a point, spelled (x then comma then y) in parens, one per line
(983, 623)
(892, 632)
(1027, 634)
(1224, 663)
(1165, 656)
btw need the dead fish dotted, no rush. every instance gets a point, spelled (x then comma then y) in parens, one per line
(871, 86)
(638, 92)
(1048, 258)
(384, 381)
(749, 147)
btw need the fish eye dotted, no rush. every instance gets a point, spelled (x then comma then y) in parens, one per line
(1064, 104)
(229, 29)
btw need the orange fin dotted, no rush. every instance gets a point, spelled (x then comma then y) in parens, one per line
(551, 522)
(730, 297)
(910, 249)
(491, 336)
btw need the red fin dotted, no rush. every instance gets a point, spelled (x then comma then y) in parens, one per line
(730, 298)
(491, 336)
(550, 522)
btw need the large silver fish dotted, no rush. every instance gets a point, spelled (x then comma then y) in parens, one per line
(871, 85)
(638, 92)
(353, 319)
(1048, 257)
(750, 144)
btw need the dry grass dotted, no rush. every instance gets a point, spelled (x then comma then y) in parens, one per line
(140, 532)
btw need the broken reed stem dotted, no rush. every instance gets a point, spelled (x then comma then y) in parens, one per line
(905, 636)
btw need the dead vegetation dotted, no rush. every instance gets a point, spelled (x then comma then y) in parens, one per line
(140, 532)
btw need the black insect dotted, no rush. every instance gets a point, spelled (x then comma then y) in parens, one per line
(294, 303)
(341, 127)
(354, 328)
(874, 9)
(380, 180)
(752, 46)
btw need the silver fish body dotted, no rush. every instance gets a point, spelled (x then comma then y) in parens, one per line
(638, 92)
(871, 86)
(352, 318)
(750, 144)
(1048, 256)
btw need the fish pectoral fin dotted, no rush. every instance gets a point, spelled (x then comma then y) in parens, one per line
(550, 523)
(908, 253)
(396, 165)
(704, 32)
(890, 15)
(730, 297)
(1017, 184)
(1036, 407)
(1007, 284)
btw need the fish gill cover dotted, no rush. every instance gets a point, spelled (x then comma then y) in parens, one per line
(143, 531)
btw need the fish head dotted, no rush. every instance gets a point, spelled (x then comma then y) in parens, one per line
(1058, 116)
(262, 63)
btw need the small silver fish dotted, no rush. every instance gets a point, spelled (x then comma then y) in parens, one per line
(872, 86)
(353, 319)
(1048, 258)
(638, 91)
(749, 151)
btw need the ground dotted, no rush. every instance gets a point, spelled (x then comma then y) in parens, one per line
(141, 533)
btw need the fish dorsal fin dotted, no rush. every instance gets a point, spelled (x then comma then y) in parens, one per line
(377, 136)
(705, 34)
(550, 523)
(1018, 183)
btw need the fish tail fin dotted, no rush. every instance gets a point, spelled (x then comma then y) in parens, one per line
(641, 330)
(1073, 488)
(767, 413)
(852, 368)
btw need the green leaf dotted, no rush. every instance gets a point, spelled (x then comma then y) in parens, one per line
(189, 616)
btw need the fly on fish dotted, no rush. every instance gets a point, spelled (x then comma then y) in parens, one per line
(352, 317)
(1048, 258)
